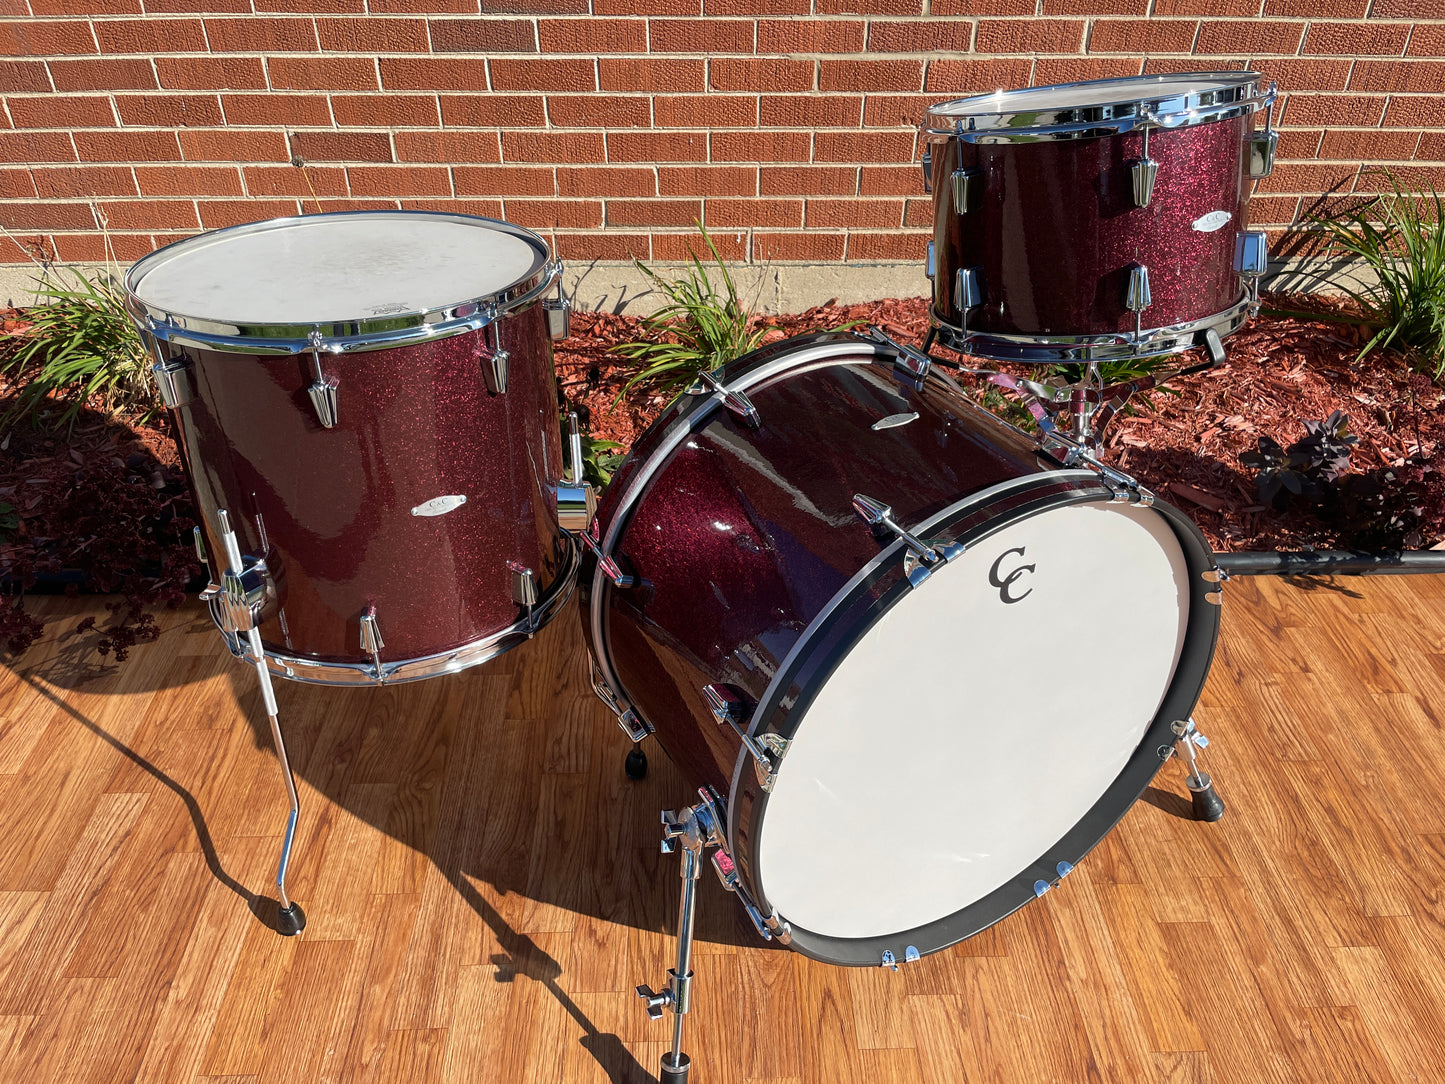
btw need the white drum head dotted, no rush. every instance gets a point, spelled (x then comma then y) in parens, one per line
(327, 269)
(1102, 92)
(964, 735)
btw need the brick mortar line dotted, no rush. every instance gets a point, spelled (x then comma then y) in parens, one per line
(751, 197)
(314, 129)
(754, 52)
(925, 60)
(882, 56)
(755, 195)
(788, 17)
(438, 129)
(152, 92)
(597, 130)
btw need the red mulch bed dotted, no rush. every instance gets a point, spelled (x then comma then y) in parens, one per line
(102, 507)
(106, 503)
(1183, 443)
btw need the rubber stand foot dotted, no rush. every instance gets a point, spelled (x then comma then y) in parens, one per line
(1208, 806)
(674, 1074)
(635, 766)
(290, 920)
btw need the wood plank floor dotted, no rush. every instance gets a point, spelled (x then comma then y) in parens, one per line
(484, 887)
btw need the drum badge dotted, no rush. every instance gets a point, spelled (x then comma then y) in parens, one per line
(1212, 221)
(1006, 582)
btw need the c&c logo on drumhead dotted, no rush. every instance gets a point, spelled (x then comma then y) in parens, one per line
(1006, 582)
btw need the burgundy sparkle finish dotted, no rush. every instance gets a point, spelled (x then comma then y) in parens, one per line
(1056, 231)
(742, 536)
(415, 423)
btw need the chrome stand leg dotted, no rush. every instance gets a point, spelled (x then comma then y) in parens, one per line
(693, 830)
(290, 920)
(1208, 806)
(242, 605)
(675, 1063)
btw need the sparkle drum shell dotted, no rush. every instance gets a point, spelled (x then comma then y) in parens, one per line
(918, 724)
(1044, 224)
(430, 490)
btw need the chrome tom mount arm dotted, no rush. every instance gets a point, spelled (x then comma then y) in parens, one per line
(1087, 405)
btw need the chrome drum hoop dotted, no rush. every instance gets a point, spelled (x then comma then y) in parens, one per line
(347, 337)
(1238, 96)
(1044, 349)
(317, 672)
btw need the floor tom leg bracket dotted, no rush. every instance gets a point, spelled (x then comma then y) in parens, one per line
(576, 498)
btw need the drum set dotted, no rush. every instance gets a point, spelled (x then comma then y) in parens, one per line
(826, 580)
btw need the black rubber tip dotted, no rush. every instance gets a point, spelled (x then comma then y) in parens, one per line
(290, 920)
(1208, 806)
(674, 1074)
(636, 763)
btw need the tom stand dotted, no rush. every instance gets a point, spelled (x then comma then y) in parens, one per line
(696, 829)
(1087, 405)
(243, 593)
(693, 830)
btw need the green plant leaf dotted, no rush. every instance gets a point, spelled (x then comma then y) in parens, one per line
(82, 343)
(1398, 237)
(699, 327)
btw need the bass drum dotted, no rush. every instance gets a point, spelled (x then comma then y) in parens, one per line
(946, 710)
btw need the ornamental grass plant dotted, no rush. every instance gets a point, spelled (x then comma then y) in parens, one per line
(701, 327)
(1399, 239)
(81, 344)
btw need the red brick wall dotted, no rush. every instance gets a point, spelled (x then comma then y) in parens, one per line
(610, 125)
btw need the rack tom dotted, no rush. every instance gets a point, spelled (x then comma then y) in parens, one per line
(1096, 220)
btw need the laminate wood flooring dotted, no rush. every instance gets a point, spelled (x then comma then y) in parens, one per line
(484, 887)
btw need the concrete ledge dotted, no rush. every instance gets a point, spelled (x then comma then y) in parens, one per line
(769, 288)
(620, 287)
